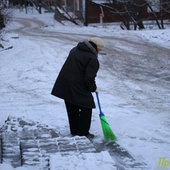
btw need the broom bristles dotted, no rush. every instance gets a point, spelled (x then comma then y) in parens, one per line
(107, 131)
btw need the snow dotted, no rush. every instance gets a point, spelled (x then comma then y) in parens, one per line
(9, 167)
(84, 161)
(160, 37)
(28, 72)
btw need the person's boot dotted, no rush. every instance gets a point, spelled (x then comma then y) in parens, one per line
(89, 135)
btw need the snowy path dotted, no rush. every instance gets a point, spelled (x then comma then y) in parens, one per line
(133, 81)
(130, 58)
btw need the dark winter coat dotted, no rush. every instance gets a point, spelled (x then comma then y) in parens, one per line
(76, 79)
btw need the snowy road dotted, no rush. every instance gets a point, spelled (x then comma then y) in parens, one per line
(128, 58)
(134, 84)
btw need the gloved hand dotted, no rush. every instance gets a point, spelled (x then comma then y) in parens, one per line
(97, 91)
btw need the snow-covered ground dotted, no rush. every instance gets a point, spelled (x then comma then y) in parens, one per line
(84, 161)
(133, 81)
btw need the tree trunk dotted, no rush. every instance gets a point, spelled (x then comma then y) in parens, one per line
(156, 18)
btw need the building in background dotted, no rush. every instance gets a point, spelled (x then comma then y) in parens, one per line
(97, 12)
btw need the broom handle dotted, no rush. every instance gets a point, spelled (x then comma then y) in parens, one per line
(98, 101)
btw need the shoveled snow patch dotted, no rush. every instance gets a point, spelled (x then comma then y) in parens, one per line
(9, 167)
(84, 161)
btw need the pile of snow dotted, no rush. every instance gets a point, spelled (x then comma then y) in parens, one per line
(9, 167)
(84, 161)
(160, 37)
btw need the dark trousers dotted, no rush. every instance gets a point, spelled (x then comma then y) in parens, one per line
(79, 119)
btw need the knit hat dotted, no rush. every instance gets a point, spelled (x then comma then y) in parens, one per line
(98, 41)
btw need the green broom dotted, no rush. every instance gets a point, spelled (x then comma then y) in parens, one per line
(107, 131)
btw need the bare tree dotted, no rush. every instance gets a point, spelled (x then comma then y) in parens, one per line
(3, 14)
(132, 11)
(2, 25)
(2, 21)
(164, 11)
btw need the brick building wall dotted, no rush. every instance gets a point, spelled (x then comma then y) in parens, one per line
(94, 11)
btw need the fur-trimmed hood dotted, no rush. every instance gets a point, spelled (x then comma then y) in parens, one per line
(88, 46)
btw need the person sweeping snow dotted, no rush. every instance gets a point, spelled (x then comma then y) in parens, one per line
(76, 82)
